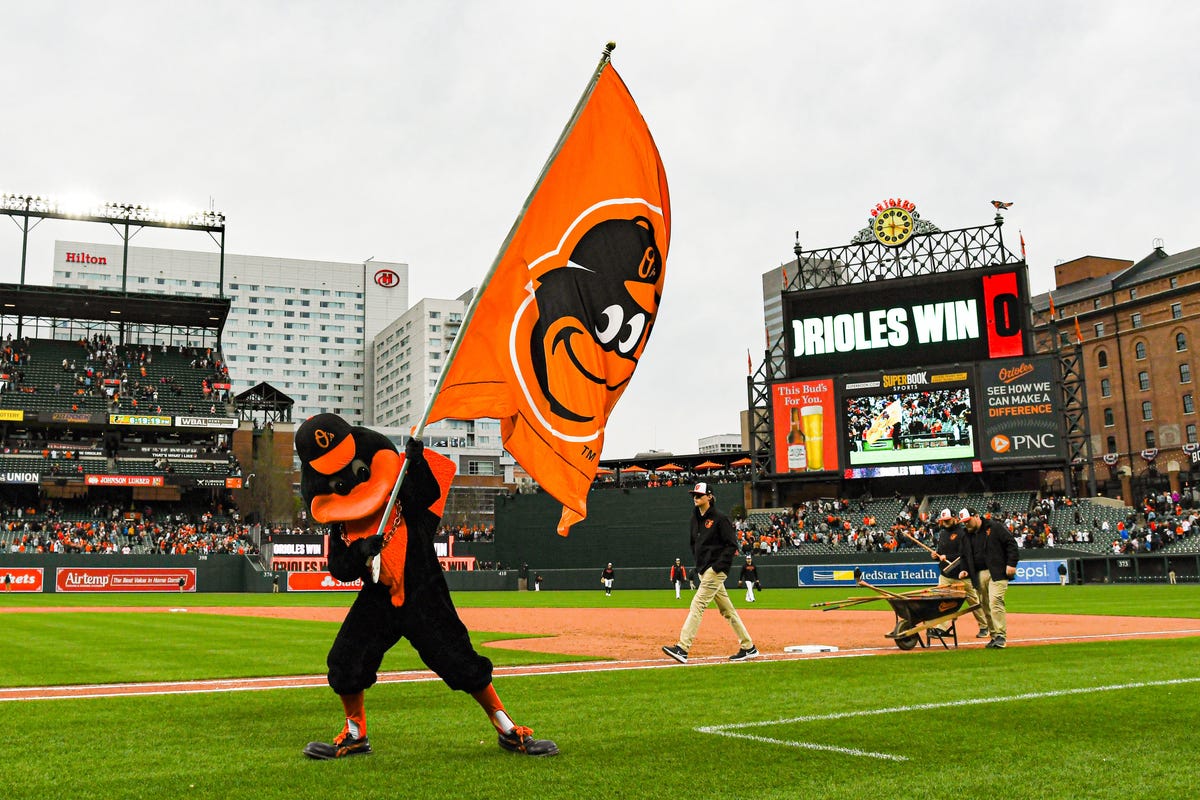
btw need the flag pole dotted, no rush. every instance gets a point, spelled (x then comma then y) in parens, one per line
(419, 429)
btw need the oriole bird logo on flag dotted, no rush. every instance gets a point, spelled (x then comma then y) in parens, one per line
(563, 319)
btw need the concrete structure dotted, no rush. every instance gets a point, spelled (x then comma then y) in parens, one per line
(407, 359)
(721, 443)
(302, 326)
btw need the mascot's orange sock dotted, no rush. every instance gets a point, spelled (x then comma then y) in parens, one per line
(490, 701)
(356, 715)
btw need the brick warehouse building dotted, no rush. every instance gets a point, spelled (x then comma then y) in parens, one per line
(1138, 324)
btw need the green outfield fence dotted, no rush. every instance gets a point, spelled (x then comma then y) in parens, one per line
(232, 573)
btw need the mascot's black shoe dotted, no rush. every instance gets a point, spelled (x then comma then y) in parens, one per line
(342, 746)
(520, 740)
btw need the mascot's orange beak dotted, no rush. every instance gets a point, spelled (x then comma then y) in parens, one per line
(364, 500)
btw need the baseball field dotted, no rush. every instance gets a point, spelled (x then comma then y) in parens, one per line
(214, 696)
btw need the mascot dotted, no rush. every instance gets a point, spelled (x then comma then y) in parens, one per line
(346, 479)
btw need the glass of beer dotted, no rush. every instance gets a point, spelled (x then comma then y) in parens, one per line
(813, 418)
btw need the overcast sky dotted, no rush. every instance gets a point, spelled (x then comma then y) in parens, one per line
(412, 131)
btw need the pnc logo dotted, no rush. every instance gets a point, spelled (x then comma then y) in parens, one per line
(1022, 443)
(387, 278)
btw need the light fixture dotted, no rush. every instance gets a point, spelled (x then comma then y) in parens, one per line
(167, 216)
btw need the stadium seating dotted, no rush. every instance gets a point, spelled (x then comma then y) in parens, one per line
(1010, 502)
(44, 369)
(215, 467)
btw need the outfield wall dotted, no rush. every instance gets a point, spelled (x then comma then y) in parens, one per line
(229, 573)
(80, 572)
(633, 528)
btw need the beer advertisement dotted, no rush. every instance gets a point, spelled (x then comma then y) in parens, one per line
(805, 426)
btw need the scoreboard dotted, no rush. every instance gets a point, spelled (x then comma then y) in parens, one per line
(915, 376)
(970, 315)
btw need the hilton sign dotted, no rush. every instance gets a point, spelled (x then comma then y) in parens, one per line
(85, 258)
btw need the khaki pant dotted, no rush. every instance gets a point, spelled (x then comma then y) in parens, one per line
(993, 600)
(712, 587)
(972, 598)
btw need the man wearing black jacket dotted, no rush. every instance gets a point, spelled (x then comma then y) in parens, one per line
(992, 559)
(950, 548)
(714, 545)
(678, 575)
(749, 579)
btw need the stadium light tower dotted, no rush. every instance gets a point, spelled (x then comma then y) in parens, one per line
(31, 210)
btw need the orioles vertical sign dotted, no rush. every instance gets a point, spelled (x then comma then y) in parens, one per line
(560, 324)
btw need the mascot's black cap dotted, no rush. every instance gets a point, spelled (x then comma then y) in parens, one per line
(325, 443)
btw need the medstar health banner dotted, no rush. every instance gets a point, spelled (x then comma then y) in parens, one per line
(564, 316)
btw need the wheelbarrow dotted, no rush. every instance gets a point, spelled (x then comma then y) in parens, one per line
(922, 615)
(925, 615)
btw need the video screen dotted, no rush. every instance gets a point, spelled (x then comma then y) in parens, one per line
(913, 426)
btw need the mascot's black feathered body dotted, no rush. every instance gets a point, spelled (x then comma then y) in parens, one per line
(346, 479)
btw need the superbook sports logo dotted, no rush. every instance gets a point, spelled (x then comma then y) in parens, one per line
(909, 379)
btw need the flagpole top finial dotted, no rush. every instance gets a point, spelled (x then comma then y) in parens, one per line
(608, 48)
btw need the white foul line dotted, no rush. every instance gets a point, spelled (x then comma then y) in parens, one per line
(728, 730)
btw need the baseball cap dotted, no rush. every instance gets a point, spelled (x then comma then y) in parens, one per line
(966, 514)
(701, 488)
(325, 443)
(945, 515)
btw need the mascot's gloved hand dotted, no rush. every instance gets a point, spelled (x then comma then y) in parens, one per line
(367, 548)
(367, 551)
(415, 449)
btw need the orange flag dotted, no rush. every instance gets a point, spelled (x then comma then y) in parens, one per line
(1078, 333)
(556, 331)
(1053, 313)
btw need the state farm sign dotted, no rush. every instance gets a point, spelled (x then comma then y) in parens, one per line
(319, 582)
(132, 579)
(21, 579)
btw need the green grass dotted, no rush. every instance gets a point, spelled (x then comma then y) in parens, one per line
(98, 647)
(1142, 600)
(628, 734)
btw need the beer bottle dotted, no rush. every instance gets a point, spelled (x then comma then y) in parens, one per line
(797, 452)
